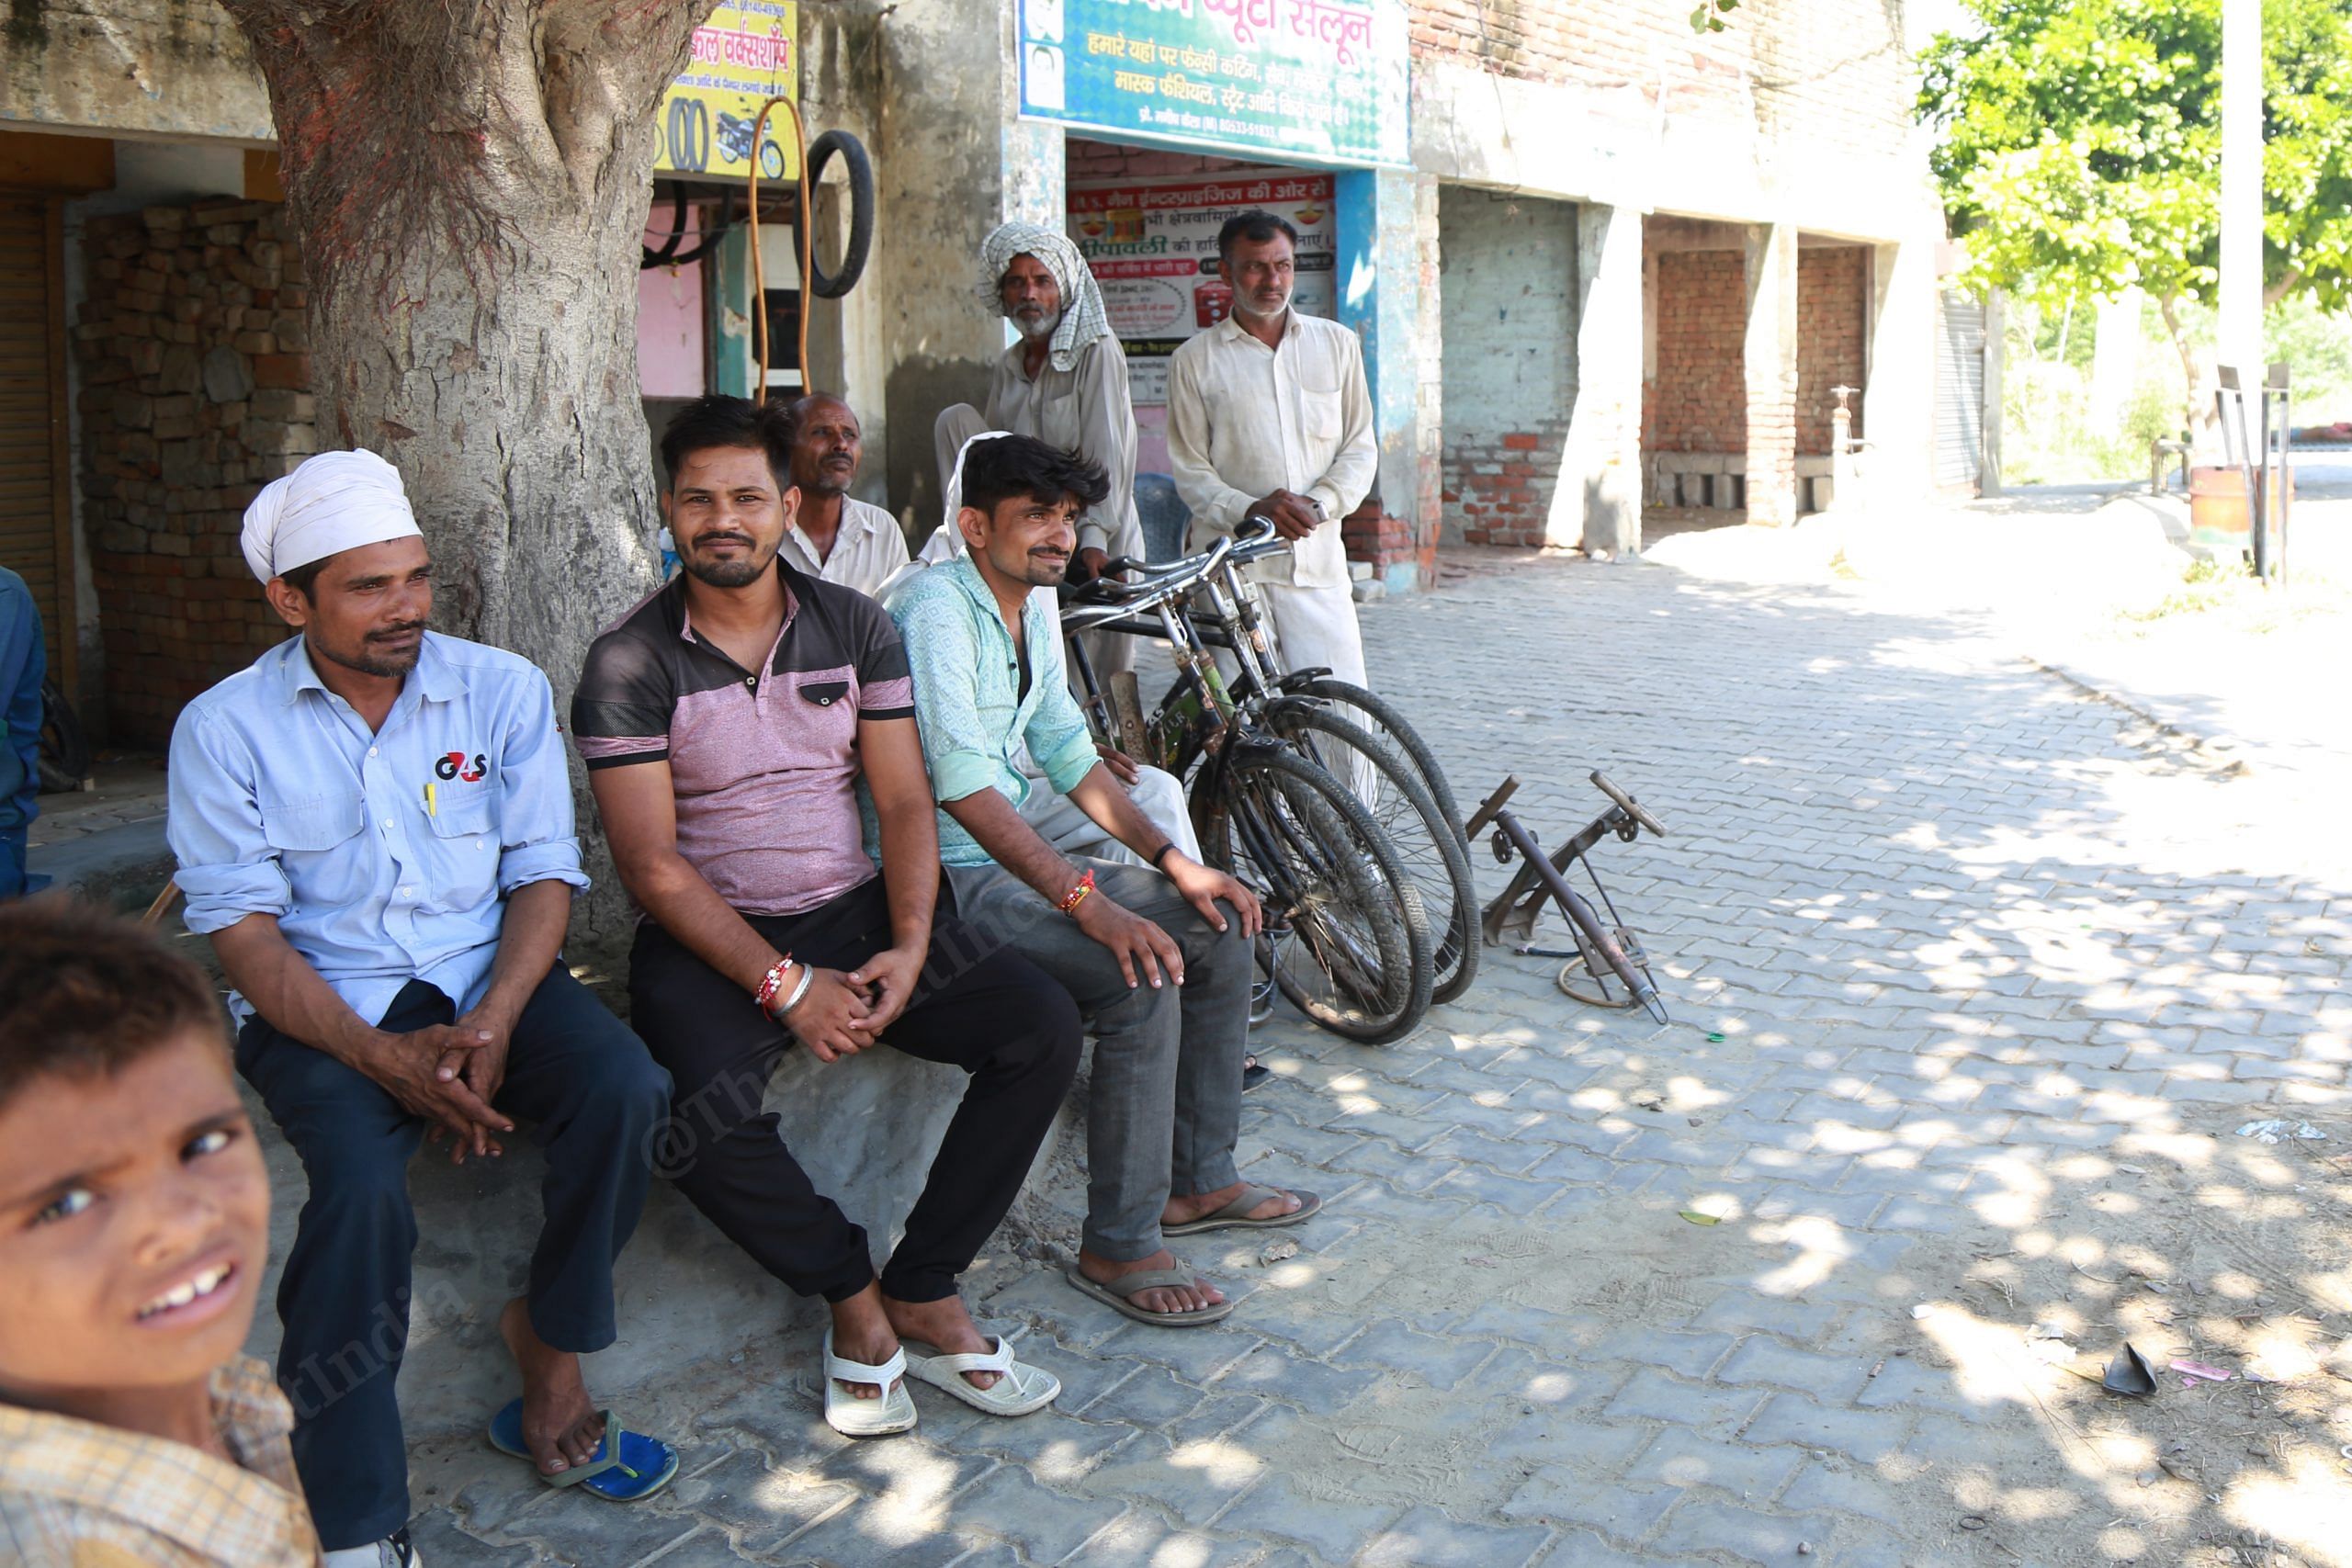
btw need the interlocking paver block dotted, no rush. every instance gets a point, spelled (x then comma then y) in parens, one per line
(1750, 1535)
(1655, 1395)
(1427, 1537)
(1865, 1434)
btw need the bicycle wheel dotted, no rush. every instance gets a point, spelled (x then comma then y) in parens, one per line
(1352, 949)
(1377, 715)
(1429, 843)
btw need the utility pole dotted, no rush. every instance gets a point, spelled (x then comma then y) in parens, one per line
(2240, 325)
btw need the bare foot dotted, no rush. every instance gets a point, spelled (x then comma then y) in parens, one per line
(1184, 1211)
(944, 1323)
(1159, 1298)
(862, 1332)
(560, 1424)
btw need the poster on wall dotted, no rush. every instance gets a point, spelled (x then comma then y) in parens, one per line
(1152, 246)
(1321, 79)
(745, 54)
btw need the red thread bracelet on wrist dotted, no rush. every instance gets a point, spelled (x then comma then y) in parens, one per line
(771, 982)
(1076, 895)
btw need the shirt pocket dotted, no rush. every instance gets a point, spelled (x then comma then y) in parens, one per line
(317, 842)
(1319, 411)
(460, 850)
(824, 719)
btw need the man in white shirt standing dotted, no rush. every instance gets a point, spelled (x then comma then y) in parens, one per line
(834, 537)
(1269, 415)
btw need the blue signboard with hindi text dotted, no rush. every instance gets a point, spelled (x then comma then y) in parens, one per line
(1321, 80)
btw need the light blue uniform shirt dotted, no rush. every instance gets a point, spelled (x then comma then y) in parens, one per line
(385, 856)
(968, 695)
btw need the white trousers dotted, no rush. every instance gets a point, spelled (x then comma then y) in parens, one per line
(1061, 823)
(1317, 627)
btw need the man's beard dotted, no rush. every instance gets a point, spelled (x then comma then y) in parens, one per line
(725, 573)
(824, 483)
(1043, 327)
(371, 663)
(736, 573)
(1246, 304)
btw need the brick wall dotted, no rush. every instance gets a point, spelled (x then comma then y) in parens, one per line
(1833, 299)
(1085, 160)
(195, 373)
(1832, 70)
(1697, 401)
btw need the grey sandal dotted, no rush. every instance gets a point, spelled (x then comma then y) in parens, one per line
(1234, 1216)
(1115, 1295)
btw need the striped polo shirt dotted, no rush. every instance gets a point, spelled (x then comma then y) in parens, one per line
(765, 765)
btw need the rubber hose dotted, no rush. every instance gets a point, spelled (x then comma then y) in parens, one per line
(668, 255)
(832, 286)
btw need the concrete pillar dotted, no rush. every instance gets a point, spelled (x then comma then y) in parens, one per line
(1769, 352)
(955, 160)
(1600, 498)
(1379, 260)
(1898, 399)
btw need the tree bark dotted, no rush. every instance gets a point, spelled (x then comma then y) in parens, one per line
(470, 180)
(2196, 416)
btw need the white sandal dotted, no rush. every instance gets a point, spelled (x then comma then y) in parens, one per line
(855, 1417)
(1020, 1389)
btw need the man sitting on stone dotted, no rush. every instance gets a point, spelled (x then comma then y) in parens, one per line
(373, 823)
(1158, 954)
(834, 537)
(727, 723)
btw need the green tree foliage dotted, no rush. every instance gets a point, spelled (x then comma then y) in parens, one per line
(2079, 147)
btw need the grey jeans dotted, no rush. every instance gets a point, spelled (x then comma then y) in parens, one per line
(1164, 1102)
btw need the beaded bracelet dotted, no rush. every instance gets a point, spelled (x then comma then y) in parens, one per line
(771, 982)
(1076, 895)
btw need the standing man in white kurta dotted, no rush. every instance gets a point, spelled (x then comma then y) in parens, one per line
(1269, 415)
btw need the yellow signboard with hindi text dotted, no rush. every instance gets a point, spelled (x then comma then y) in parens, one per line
(748, 52)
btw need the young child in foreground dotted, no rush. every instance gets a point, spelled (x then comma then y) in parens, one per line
(134, 1224)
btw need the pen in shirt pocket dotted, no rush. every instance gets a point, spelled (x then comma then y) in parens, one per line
(432, 804)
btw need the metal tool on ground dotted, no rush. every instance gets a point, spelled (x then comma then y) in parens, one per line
(1604, 950)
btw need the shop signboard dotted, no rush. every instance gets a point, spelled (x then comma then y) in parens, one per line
(1318, 79)
(745, 54)
(1152, 246)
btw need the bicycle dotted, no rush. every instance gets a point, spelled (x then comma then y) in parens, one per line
(1350, 941)
(1600, 950)
(1330, 721)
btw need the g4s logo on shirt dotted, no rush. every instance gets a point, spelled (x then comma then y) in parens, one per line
(456, 766)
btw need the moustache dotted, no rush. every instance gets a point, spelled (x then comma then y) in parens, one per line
(390, 634)
(700, 540)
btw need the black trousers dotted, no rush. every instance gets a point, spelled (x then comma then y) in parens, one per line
(992, 1013)
(598, 1101)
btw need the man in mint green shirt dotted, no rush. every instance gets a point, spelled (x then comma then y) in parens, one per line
(1157, 955)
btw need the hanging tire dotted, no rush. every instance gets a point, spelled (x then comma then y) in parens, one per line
(832, 286)
(64, 752)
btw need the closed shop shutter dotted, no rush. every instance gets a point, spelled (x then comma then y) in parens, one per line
(1959, 393)
(35, 542)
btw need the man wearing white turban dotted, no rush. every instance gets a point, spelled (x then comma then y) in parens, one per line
(1064, 382)
(373, 824)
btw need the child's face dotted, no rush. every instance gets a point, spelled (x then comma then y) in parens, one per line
(134, 1222)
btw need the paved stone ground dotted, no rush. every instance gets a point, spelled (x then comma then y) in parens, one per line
(1972, 983)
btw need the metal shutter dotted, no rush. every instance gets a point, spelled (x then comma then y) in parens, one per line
(1959, 393)
(35, 542)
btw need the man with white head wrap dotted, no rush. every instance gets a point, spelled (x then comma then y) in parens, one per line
(373, 824)
(1064, 382)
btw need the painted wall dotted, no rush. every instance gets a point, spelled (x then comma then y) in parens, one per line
(1509, 309)
(669, 314)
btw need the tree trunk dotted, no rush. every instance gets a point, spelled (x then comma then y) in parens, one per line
(470, 180)
(2196, 414)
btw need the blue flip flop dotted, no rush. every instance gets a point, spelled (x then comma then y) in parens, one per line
(626, 1468)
